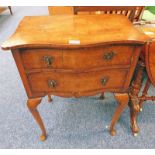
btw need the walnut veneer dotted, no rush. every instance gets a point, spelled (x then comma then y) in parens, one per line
(74, 56)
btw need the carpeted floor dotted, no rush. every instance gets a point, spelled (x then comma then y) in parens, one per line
(70, 123)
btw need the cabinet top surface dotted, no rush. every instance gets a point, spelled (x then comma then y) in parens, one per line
(73, 31)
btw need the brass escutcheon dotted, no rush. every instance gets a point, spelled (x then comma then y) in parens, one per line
(48, 60)
(109, 55)
(104, 80)
(51, 83)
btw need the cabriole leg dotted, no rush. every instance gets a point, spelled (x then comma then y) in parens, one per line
(32, 106)
(123, 100)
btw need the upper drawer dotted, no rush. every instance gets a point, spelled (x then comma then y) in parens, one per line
(84, 58)
(41, 58)
(97, 57)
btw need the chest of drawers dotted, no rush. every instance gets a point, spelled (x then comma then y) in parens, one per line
(76, 58)
(78, 72)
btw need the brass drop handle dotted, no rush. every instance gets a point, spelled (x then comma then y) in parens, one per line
(48, 60)
(51, 83)
(104, 81)
(109, 55)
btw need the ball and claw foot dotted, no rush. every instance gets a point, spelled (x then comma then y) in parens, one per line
(42, 137)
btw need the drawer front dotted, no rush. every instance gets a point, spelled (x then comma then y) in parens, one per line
(85, 58)
(41, 58)
(97, 57)
(77, 82)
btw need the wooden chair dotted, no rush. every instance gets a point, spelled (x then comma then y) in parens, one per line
(138, 13)
(128, 11)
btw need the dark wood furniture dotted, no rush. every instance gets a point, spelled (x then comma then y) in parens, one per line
(76, 58)
(147, 65)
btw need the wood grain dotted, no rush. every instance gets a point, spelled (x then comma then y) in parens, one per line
(77, 82)
(34, 58)
(116, 28)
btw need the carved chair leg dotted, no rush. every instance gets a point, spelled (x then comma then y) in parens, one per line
(134, 102)
(49, 98)
(102, 96)
(123, 100)
(134, 110)
(144, 93)
(32, 106)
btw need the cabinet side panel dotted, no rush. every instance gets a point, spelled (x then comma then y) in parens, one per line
(16, 55)
(133, 64)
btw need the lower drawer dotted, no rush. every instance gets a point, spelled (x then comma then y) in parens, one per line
(55, 81)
